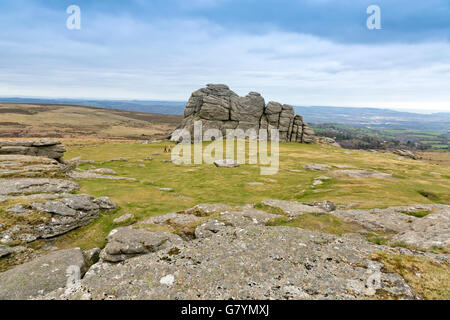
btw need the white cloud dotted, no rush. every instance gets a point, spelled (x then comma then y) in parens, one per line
(125, 58)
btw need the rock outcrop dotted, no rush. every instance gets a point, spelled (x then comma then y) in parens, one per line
(48, 148)
(42, 275)
(217, 107)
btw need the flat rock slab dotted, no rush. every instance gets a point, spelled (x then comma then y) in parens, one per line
(93, 175)
(255, 262)
(40, 276)
(247, 216)
(431, 230)
(317, 167)
(172, 219)
(293, 208)
(363, 174)
(206, 209)
(126, 243)
(227, 163)
(22, 186)
(124, 218)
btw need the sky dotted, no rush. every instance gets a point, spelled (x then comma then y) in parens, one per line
(302, 52)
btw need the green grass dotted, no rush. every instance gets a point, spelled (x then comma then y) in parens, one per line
(426, 276)
(194, 184)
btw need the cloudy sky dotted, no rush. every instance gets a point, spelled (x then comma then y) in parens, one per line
(303, 52)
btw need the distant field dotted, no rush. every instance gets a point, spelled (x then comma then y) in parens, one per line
(65, 121)
(416, 139)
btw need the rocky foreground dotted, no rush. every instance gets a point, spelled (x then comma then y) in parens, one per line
(211, 251)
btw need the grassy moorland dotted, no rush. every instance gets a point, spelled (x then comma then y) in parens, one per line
(414, 182)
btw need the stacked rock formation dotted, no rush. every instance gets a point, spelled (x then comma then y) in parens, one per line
(47, 148)
(217, 107)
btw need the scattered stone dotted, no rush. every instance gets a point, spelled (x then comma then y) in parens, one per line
(325, 205)
(105, 203)
(226, 163)
(165, 189)
(148, 158)
(406, 154)
(363, 174)
(317, 167)
(317, 183)
(92, 175)
(124, 218)
(119, 160)
(102, 171)
(255, 183)
(42, 275)
(323, 178)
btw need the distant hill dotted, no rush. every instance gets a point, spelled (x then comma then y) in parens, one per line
(376, 118)
(357, 117)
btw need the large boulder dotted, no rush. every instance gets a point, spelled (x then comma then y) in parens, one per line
(217, 107)
(48, 148)
(42, 275)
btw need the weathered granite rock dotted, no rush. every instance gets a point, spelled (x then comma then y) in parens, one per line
(253, 262)
(23, 186)
(5, 251)
(93, 175)
(124, 218)
(172, 219)
(206, 209)
(48, 148)
(246, 217)
(226, 163)
(406, 154)
(42, 275)
(125, 243)
(317, 167)
(217, 107)
(28, 166)
(57, 217)
(431, 230)
(363, 174)
(293, 208)
(105, 203)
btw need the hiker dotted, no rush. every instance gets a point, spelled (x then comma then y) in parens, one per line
(170, 149)
(165, 148)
